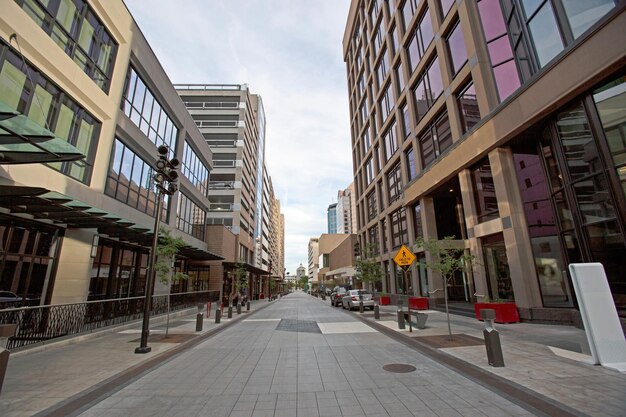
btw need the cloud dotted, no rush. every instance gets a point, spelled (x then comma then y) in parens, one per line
(290, 53)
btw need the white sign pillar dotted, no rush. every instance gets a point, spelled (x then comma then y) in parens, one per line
(597, 308)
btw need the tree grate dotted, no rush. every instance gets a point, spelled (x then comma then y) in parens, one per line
(399, 368)
(305, 326)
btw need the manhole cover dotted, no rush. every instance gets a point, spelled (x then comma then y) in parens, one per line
(306, 326)
(399, 368)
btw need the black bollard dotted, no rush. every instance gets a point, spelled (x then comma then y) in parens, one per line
(230, 312)
(401, 320)
(247, 305)
(376, 312)
(218, 315)
(199, 319)
(238, 308)
(492, 339)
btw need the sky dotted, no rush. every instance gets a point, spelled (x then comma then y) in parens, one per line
(290, 53)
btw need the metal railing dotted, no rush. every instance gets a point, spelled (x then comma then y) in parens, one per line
(37, 324)
(211, 104)
(207, 86)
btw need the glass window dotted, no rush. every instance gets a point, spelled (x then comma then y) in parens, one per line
(195, 170)
(410, 163)
(382, 68)
(437, 137)
(130, 181)
(582, 14)
(142, 114)
(408, 10)
(391, 142)
(372, 205)
(545, 33)
(406, 128)
(74, 26)
(400, 77)
(417, 220)
(394, 184)
(446, 5)
(369, 172)
(468, 107)
(427, 148)
(386, 103)
(500, 52)
(190, 218)
(456, 46)
(51, 108)
(484, 191)
(434, 78)
(610, 101)
(399, 231)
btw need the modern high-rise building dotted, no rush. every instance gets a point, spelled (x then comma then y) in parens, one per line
(346, 210)
(331, 218)
(500, 123)
(313, 251)
(78, 80)
(241, 195)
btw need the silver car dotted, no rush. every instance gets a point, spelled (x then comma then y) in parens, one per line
(353, 297)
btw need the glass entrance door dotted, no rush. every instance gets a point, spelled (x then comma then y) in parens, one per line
(497, 268)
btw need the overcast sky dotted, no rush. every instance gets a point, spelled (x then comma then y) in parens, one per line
(290, 53)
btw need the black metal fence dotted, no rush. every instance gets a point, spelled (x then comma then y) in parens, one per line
(37, 324)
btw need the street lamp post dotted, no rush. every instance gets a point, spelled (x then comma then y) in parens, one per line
(165, 180)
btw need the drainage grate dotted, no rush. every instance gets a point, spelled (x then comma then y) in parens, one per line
(306, 326)
(399, 368)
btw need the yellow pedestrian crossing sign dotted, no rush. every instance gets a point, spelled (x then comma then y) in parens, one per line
(404, 258)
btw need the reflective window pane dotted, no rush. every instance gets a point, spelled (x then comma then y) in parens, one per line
(582, 14)
(545, 34)
(456, 45)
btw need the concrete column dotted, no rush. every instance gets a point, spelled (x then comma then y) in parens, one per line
(429, 226)
(471, 220)
(515, 230)
(73, 275)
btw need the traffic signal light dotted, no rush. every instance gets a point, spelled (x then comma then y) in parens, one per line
(166, 175)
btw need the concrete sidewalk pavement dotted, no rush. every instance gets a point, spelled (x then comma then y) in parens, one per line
(49, 376)
(551, 360)
(303, 357)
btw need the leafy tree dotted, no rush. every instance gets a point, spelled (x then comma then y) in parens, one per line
(368, 269)
(167, 249)
(303, 281)
(446, 259)
(240, 280)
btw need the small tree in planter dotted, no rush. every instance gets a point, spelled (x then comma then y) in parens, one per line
(446, 259)
(240, 282)
(167, 249)
(368, 269)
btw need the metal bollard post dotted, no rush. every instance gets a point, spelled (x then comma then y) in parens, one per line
(492, 339)
(376, 312)
(401, 325)
(360, 302)
(247, 305)
(230, 311)
(218, 315)
(199, 317)
(238, 307)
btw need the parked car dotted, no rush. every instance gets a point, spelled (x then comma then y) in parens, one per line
(9, 296)
(352, 299)
(336, 297)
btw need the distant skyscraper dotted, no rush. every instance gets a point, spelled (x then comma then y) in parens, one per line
(346, 219)
(332, 218)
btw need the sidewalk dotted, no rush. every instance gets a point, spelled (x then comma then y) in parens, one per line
(546, 359)
(54, 374)
(551, 360)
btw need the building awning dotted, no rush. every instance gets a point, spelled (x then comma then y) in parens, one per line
(249, 268)
(22, 141)
(56, 208)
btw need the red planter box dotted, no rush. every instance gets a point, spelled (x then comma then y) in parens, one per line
(418, 303)
(505, 312)
(385, 300)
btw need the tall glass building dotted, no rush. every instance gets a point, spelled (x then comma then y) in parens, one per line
(501, 123)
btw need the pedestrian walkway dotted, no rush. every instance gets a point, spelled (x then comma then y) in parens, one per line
(298, 356)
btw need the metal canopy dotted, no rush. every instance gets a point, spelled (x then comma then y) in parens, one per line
(249, 268)
(42, 204)
(22, 141)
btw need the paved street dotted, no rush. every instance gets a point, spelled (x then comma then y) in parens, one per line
(298, 356)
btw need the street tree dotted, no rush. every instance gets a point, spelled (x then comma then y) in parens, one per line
(446, 258)
(368, 269)
(167, 248)
(303, 282)
(240, 282)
